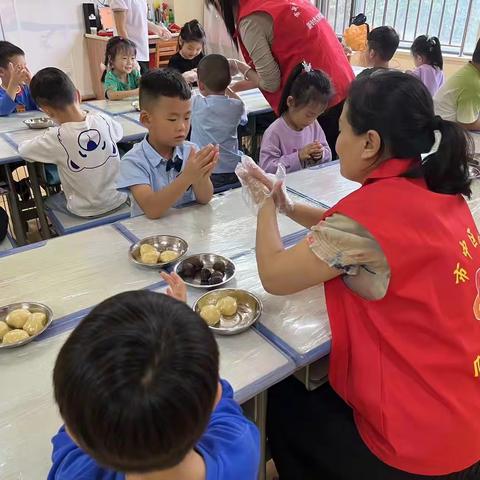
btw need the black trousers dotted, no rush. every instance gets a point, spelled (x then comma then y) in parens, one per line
(3, 224)
(329, 123)
(312, 436)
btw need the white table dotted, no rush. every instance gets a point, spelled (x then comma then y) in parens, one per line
(323, 184)
(8, 153)
(72, 273)
(15, 121)
(112, 107)
(225, 226)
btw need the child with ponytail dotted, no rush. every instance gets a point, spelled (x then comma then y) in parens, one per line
(121, 77)
(296, 139)
(427, 55)
(398, 259)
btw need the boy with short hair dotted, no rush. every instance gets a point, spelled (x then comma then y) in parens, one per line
(15, 76)
(382, 45)
(164, 170)
(458, 100)
(144, 398)
(83, 148)
(216, 115)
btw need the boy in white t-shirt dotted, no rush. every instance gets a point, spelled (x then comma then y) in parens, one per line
(83, 146)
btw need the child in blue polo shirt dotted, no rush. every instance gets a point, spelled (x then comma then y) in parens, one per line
(164, 170)
(14, 91)
(144, 398)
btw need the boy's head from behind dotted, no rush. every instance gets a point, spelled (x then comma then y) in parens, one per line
(10, 53)
(213, 74)
(382, 45)
(165, 104)
(53, 91)
(137, 380)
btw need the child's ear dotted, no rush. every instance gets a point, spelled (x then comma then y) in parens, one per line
(290, 102)
(145, 119)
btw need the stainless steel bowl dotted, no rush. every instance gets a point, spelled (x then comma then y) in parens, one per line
(161, 243)
(33, 307)
(38, 123)
(249, 310)
(208, 260)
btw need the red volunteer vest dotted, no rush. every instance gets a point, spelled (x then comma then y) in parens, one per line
(409, 364)
(300, 32)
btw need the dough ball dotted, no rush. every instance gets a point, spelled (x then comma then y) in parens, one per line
(211, 314)
(4, 328)
(187, 270)
(168, 256)
(205, 275)
(216, 278)
(147, 248)
(35, 323)
(17, 318)
(219, 266)
(227, 306)
(197, 263)
(15, 336)
(150, 258)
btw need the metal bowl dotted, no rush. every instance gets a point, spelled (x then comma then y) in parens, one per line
(33, 307)
(161, 243)
(208, 260)
(38, 123)
(249, 310)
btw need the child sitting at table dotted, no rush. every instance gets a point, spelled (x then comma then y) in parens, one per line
(296, 139)
(190, 51)
(15, 76)
(164, 170)
(83, 147)
(137, 385)
(121, 77)
(458, 100)
(216, 115)
(382, 45)
(427, 55)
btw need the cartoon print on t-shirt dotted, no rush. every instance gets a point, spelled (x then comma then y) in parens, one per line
(92, 151)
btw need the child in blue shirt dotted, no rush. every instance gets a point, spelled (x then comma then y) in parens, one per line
(15, 76)
(137, 384)
(164, 170)
(216, 116)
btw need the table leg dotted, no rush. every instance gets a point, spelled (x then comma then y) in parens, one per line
(37, 196)
(261, 422)
(18, 225)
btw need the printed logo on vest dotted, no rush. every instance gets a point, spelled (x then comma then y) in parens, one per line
(476, 367)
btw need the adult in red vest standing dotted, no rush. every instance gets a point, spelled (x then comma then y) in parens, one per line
(400, 259)
(275, 36)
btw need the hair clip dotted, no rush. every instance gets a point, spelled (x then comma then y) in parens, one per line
(307, 66)
(435, 146)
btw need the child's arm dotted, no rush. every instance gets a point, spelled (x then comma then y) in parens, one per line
(156, 204)
(203, 187)
(44, 149)
(243, 113)
(114, 95)
(9, 92)
(275, 263)
(116, 130)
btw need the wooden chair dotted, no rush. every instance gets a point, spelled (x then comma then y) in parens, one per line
(164, 50)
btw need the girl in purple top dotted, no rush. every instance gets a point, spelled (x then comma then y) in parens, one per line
(427, 55)
(296, 139)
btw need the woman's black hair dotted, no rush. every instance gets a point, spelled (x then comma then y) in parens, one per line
(305, 87)
(400, 108)
(228, 11)
(115, 46)
(192, 31)
(430, 49)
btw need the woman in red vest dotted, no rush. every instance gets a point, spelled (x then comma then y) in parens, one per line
(275, 36)
(400, 259)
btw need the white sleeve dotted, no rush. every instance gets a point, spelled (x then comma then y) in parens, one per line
(45, 148)
(119, 5)
(115, 128)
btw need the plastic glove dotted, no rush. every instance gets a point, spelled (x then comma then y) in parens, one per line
(258, 186)
(190, 76)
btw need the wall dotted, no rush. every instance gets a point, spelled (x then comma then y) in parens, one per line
(186, 10)
(51, 33)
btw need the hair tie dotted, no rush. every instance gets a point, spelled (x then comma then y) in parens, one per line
(436, 144)
(307, 67)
